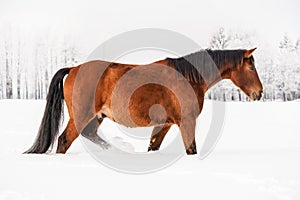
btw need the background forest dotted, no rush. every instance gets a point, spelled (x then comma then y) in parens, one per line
(28, 64)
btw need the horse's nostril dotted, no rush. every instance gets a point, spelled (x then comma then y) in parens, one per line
(258, 98)
(254, 96)
(260, 94)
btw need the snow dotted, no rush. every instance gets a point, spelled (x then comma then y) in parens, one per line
(257, 157)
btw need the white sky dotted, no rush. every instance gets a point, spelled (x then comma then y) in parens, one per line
(91, 22)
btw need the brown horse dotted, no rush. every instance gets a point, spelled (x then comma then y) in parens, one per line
(160, 94)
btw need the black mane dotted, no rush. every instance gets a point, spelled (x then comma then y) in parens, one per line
(201, 65)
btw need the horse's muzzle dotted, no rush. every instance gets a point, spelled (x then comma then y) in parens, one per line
(256, 97)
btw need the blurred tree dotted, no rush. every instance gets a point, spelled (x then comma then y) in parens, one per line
(8, 63)
(286, 43)
(220, 40)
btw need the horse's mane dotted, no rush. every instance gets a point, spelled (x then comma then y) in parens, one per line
(196, 66)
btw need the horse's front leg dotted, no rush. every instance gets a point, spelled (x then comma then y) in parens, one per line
(188, 135)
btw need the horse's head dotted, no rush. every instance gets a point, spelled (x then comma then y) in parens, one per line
(245, 77)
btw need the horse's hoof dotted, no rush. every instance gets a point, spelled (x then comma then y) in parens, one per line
(191, 151)
(150, 148)
(104, 145)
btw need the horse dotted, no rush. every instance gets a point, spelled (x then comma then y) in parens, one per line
(160, 94)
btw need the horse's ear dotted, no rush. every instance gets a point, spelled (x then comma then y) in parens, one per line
(248, 53)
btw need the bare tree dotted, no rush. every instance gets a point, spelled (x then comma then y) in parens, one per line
(8, 62)
(19, 72)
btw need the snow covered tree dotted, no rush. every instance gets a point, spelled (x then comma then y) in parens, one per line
(287, 72)
(220, 40)
(286, 43)
(297, 45)
(241, 40)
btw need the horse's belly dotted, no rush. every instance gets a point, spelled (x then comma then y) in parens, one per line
(123, 116)
(149, 105)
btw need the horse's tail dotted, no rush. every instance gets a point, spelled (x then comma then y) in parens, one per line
(52, 116)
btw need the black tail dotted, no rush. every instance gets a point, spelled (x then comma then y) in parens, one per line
(53, 112)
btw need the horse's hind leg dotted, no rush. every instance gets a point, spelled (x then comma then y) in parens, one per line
(157, 136)
(90, 132)
(67, 137)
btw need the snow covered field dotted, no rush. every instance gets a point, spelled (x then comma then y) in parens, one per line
(257, 157)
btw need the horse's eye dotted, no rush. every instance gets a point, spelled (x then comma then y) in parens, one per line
(252, 68)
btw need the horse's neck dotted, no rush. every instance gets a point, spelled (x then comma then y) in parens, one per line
(222, 73)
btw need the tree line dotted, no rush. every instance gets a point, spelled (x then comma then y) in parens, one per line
(27, 65)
